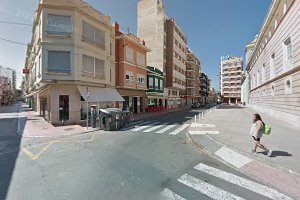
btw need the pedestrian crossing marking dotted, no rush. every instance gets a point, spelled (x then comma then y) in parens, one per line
(242, 182)
(203, 125)
(153, 128)
(166, 128)
(204, 132)
(144, 127)
(232, 157)
(207, 189)
(178, 130)
(169, 195)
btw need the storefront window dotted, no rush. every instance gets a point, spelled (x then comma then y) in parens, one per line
(87, 106)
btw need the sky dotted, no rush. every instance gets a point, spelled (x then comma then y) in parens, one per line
(214, 28)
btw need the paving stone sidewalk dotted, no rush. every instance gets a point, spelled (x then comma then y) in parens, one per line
(231, 125)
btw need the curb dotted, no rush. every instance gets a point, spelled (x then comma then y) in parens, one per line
(278, 172)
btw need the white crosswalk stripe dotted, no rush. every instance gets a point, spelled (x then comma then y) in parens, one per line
(135, 124)
(178, 130)
(144, 127)
(242, 182)
(169, 195)
(152, 129)
(207, 189)
(166, 128)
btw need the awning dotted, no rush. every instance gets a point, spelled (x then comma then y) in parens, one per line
(99, 94)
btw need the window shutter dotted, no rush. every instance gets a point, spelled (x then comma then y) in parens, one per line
(59, 61)
(88, 64)
(58, 24)
(99, 67)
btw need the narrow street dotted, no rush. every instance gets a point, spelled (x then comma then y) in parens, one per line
(151, 159)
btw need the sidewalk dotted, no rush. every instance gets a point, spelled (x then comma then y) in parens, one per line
(230, 126)
(145, 115)
(34, 126)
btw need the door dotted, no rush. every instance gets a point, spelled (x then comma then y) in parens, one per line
(141, 104)
(135, 106)
(63, 108)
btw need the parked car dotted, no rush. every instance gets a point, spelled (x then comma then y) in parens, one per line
(196, 105)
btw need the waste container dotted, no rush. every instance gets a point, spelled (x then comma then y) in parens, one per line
(126, 118)
(110, 119)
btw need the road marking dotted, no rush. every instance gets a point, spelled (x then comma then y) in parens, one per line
(204, 132)
(242, 182)
(176, 131)
(153, 128)
(207, 189)
(130, 127)
(232, 157)
(166, 128)
(136, 122)
(203, 125)
(143, 127)
(169, 195)
(36, 156)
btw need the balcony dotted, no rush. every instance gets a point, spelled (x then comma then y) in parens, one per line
(190, 69)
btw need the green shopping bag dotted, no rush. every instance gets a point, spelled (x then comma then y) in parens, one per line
(267, 129)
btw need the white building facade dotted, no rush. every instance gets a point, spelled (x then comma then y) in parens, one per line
(231, 68)
(70, 61)
(274, 66)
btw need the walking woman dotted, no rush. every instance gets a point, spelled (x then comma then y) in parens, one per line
(257, 132)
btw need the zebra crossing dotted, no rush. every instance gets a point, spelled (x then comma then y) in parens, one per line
(209, 189)
(156, 127)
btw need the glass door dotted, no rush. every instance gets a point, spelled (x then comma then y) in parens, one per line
(63, 107)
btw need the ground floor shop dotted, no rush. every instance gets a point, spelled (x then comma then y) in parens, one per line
(71, 104)
(156, 102)
(134, 100)
(232, 100)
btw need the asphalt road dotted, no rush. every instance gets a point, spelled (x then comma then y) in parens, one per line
(152, 159)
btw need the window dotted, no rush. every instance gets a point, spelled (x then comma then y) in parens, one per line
(59, 61)
(287, 55)
(129, 54)
(272, 68)
(141, 79)
(150, 82)
(93, 66)
(40, 66)
(141, 60)
(263, 73)
(129, 77)
(258, 78)
(156, 84)
(93, 35)
(59, 25)
(161, 84)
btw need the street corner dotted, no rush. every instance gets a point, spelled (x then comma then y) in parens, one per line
(34, 152)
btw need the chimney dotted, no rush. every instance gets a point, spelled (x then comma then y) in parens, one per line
(144, 43)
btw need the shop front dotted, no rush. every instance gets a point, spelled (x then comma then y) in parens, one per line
(133, 100)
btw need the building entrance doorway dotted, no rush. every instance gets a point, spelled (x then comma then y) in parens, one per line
(63, 108)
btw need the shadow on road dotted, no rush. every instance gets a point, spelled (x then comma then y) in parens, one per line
(9, 146)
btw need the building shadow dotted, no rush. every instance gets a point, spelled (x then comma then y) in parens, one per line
(9, 148)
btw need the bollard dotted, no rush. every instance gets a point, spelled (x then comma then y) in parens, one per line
(199, 116)
(195, 118)
(202, 115)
